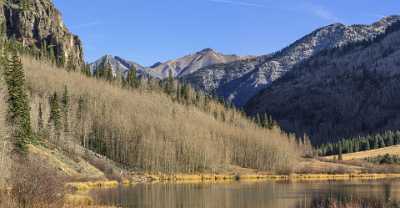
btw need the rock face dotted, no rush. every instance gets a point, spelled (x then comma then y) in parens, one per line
(119, 65)
(190, 63)
(241, 80)
(37, 23)
(343, 92)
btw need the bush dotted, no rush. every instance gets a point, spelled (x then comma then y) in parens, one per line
(36, 185)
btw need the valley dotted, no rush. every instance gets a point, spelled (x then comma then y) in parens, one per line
(74, 134)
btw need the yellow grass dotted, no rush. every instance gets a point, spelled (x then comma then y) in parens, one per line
(74, 200)
(83, 186)
(270, 177)
(392, 150)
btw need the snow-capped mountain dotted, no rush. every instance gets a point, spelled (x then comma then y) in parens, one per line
(341, 92)
(239, 81)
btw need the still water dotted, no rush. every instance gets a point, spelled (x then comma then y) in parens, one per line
(385, 193)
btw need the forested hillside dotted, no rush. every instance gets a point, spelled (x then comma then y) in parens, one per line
(345, 92)
(144, 128)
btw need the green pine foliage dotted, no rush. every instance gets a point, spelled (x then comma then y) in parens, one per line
(65, 102)
(131, 78)
(18, 104)
(55, 114)
(388, 138)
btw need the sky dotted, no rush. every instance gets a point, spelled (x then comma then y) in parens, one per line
(149, 31)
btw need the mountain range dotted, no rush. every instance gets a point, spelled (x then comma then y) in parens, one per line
(238, 79)
(338, 81)
(178, 67)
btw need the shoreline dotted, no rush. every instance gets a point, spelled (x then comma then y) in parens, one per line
(79, 195)
(84, 186)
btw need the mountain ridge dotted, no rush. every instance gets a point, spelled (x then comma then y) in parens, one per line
(347, 91)
(239, 81)
(179, 67)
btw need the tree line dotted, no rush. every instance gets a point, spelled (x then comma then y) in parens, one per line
(361, 143)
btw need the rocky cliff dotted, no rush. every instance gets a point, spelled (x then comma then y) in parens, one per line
(38, 24)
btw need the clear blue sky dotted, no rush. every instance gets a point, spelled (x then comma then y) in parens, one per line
(147, 31)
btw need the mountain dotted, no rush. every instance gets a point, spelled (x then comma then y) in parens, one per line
(38, 24)
(343, 92)
(190, 63)
(118, 65)
(179, 67)
(239, 81)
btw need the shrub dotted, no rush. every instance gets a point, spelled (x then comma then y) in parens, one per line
(36, 185)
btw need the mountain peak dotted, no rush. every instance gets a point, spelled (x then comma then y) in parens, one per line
(207, 50)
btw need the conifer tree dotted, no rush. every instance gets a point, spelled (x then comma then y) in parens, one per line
(131, 78)
(65, 101)
(169, 87)
(86, 70)
(55, 115)
(18, 106)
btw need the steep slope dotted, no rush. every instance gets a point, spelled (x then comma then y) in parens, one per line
(190, 63)
(118, 65)
(241, 80)
(346, 91)
(38, 24)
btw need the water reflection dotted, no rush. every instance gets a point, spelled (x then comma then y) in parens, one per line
(255, 195)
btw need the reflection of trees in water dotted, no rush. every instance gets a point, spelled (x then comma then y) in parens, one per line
(348, 199)
(254, 195)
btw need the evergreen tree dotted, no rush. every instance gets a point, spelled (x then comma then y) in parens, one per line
(18, 106)
(169, 87)
(65, 101)
(185, 93)
(131, 78)
(86, 70)
(55, 114)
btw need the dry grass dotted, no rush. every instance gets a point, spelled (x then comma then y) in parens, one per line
(392, 150)
(148, 130)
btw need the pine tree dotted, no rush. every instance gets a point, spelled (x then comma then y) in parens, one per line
(55, 114)
(131, 78)
(18, 106)
(65, 108)
(185, 93)
(86, 70)
(169, 87)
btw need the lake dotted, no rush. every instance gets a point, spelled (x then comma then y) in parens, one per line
(383, 193)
